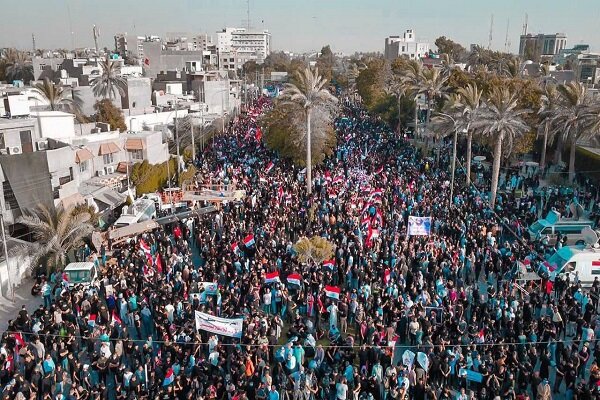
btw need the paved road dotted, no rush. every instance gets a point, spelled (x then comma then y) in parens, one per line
(9, 310)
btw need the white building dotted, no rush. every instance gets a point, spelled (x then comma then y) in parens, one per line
(407, 45)
(237, 46)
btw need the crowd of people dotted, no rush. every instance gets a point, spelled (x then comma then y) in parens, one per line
(389, 316)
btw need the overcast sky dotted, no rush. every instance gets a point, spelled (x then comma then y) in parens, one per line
(299, 25)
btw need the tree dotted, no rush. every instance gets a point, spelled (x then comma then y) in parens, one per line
(325, 62)
(573, 119)
(310, 93)
(314, 251)
(57, 97)
(502, 121)
(455, 50)
(107, 112)
(110, 83)
(285, 133)
(16, 65)
(433, 84)
(547, 113)
(56, 232)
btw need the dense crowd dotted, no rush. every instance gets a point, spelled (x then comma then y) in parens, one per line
(416, 317)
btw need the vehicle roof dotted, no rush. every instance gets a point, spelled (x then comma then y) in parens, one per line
(568, 252)
(545, 222)
(85, 265)
(126, 219)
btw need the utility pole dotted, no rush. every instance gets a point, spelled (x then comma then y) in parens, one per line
(33, 40)
(193, 142)
(507, 40)
(491, 32)
(10, 286)
(96, 33)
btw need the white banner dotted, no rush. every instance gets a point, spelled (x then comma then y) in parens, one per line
(419, 226)
(221, 326)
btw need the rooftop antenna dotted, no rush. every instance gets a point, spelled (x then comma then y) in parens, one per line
(71, 28)
(491, 30)
(525, 25)
(248, 14)
(33, 40)
(96, 33)
(507, 40)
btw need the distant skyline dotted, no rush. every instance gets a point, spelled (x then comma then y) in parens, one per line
(298, 26)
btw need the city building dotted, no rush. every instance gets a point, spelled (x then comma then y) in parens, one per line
(564, 54)
(236, 46)
(132, 46)
(407, 45)
(541, 45)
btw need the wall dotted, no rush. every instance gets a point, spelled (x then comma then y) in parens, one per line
(139, 91)
(61, 163)
(10, 130)
(55, 124)
(151, 120)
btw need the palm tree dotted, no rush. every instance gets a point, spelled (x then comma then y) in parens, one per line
(310, 93)
(433, 84)
(109, 84)
(396, 87)
(17, 65)
(510, 68)
(502, 121)
(573, 120)
(56, 232)
(57, 97)
(411, 79)
(469, 105)
(547, 112)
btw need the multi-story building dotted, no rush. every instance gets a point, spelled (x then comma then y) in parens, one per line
(407, 45)
(236, 46)
(132, 45)
(541, 45)
(564, 54)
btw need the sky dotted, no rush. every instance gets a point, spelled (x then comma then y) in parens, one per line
(299, 25)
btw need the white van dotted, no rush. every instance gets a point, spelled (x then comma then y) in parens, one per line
(576, 259)
(554, 225)
(81, 273)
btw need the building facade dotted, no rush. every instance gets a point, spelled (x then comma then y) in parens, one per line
(236, 46)
(541, 45)
(407, 45)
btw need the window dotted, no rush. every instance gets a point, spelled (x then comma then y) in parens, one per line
(10, 201)
(136, 154)
(108, 158)
(83, 166)
(64, 180)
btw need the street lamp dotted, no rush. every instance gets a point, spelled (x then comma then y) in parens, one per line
(454, 139)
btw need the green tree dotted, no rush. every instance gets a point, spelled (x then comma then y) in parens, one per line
(314, 251)
(573, 119)
(107, 112)
(285, 133)
(109, 84)
(502, 121)
(469, 108)
(16, 65)
(56, 232)
(455, 50)
(547, 112)
(311, 94)
(57, 97)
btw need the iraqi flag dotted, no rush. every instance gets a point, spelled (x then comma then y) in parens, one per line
(159, 264)
(92, 320)
(294, 279)
(365, 223)
(269, 167)
(379, 170)
(272, 277)
(379, 217)
(144, 246)
(258, 134)
(280, 193)
(169, 377)
(249, 241)
(373, 234)
(332, 292)
(337, 179)
(387, 274)
(235, 248)
(116, 317)
(19, 339)
(329, 264)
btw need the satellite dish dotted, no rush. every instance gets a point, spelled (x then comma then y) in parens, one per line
(590, 236)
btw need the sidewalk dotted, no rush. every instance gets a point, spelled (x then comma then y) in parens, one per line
(23, 297)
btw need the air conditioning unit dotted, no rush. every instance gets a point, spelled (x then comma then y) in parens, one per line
(14, 150)
(110, 170)
(43, 145)
(100, 172)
